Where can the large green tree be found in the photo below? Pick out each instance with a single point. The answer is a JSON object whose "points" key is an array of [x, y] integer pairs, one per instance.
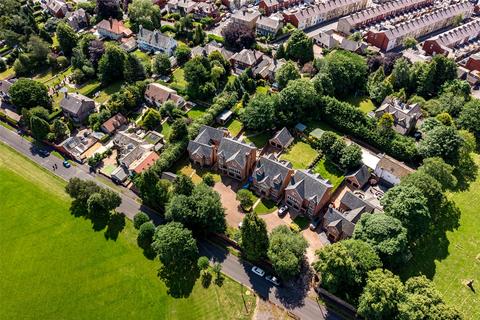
{"points": [[27, 93], [133, 69], [259, 114], [441, 141], [39, 127], [286, 251], [297, 99], [469, 117], [299, 47], [144, 13], [440, 171], [343, 267], [254, 237], [111, 65], [67, 38], [285, 73], [161, 65], [386, 235]]}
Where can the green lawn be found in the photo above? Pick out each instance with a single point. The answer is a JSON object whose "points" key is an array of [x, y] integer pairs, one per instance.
{"points": [[179, 79], [451, 261], [105, 93], [265, 206], [258, 139], [300, 155], [363, 103], [166, 130], [54, 266], [301, 222], [329, 171], [196, 112], [261, 89], [7, 73], [234, 126], [145, 58]]}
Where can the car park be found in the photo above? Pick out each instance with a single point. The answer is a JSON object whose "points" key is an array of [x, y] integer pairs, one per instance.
{"points": [[273, 280], [258, 271], [282, 211]]}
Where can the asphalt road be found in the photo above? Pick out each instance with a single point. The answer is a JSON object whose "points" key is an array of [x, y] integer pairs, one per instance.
{"points": [[291, 297]]}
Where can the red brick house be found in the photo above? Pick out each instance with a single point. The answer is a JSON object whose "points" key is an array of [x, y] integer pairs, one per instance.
{"points": [[271, 177], [236, 159]]}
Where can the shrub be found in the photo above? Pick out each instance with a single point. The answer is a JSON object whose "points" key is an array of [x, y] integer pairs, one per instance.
{"points": [[139, 219], [209, 180], [145, 235]]}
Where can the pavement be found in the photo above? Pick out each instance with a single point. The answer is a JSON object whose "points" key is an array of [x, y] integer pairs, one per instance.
{"points": [[292, 297]]}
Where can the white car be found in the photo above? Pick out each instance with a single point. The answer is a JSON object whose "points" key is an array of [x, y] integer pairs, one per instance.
{"points": [[258, 271], [273, 280]]}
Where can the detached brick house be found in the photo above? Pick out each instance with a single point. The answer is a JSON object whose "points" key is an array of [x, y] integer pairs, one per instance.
{"points": [[246, 58], [57, 8], [404, 115], [236, 159], [156, 94], [76, 106], [271, 176], [307, 193], [203, 150], [113, 29], [282, 139]]}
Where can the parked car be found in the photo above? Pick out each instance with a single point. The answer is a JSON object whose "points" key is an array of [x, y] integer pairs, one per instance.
{"points": [[282, 211], [43, 152], [66, 164], [258, 271], [314, 224], [273, 280]]}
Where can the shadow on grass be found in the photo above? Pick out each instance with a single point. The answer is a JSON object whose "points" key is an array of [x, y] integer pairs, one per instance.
{"points": [[466, 174], [179, 280], [149, 253], [115, 225]]}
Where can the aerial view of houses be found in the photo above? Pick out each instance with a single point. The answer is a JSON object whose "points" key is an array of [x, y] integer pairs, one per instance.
{"points": [[239, 159]]}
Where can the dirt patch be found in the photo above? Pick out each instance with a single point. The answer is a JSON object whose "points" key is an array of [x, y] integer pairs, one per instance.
{"points": [[266, 310]]}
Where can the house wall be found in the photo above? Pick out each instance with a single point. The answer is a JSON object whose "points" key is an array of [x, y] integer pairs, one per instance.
{"points": [[387, 176]]}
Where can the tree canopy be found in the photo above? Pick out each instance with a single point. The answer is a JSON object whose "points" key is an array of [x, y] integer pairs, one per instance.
{"points": [[27, 93], [299, 47], [254, 237], [144, 13]]}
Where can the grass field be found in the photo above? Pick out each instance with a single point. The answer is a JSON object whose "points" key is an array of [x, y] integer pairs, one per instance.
{"points": [[363, 103], [258, 139], [329, 171], [54, 266], [179, 79], [265, 206], [234, 126], [300, 155], [196, 112], [451, 261], [7, 73]]}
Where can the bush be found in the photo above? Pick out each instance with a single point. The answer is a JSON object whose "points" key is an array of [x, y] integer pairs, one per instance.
{"points": [[209, 180], [145, 235], [139, 219]]}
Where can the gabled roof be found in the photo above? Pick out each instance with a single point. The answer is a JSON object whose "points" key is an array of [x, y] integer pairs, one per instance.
{"points": [[114, 26], [395, 167], [76, 103], [272, 172], [309, 186], [114, 123], [155, 38], [5, 86], [211, 47], [161, 93], [361, 174], [284, 137], [203, 143], [352, 202], [334, 218], [451, 37], [248, 57], [234, 150]]}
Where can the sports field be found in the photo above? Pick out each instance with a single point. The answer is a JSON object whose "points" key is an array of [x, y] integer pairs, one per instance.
{"points": [[54, 266]]}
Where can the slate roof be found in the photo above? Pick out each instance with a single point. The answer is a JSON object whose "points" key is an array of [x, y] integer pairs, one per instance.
{"points": [[155, 38], [211, 47], [248, 57], [271, 172], [203, 143], [245, 16], [77, 19], [351, 201], [404, 115], [462, 34], [284, 137], [234, 150], [271, 23], [5, 86], [361, 174], [76, 103], [309, 186], [334, 218]]}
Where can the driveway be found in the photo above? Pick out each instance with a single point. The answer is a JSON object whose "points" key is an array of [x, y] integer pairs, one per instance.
{"points": [[227, 188]]}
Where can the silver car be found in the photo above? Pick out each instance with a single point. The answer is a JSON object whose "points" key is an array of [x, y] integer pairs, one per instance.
{"points": [[258, 271]]}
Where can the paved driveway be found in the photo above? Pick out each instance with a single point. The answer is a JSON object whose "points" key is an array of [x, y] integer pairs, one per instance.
{"points": [[227, 188]]}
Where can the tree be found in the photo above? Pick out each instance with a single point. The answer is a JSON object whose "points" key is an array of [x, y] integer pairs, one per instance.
{"points": [[238, 36], [182, 53], [3, 65], [27, 93], [133, 69], [145, 235], [410, 43], [440, 171], [139, 219], [337, 150], [347, 71], [254, 237], [39, 127], [401, 75], [326, 141], [351, 157], [108, 9], [151, 119], [378, 87], [111, 65], [423, 301], [407, 204], [469, 117], [297, 99], [430, 77], [285, 73], [199, 35], [286, 251], [442, 141], [197, 74], [259, 113], [175, 246], [67, 38], [245, 197], [101, 203], [144, 13], [161, 65], [299, 47], [81, 190], [203, 263], [38, 50], [183, 185], [343, 267], [208, 179], [430, 188], [381, 295], [179, 130], [386, 235], [60, 129]]}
